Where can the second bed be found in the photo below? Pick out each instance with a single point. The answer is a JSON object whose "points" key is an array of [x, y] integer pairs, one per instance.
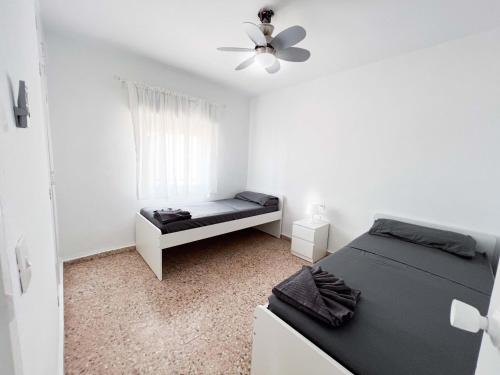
{"points": [[401, 324]]}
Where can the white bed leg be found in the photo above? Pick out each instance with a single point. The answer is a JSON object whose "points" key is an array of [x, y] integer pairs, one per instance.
{"points": [[273, 228], [278, 349], [147, 242]]}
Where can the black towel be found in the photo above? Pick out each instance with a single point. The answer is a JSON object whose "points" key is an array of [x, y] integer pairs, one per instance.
{"points": [[319, 294], [169, 215]]}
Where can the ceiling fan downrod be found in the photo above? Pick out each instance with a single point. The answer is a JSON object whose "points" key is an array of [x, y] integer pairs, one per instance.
{"points": [[265, 15]]}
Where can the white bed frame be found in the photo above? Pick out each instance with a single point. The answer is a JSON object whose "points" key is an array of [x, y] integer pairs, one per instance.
{"points": [[150, 242], [279, 349]]}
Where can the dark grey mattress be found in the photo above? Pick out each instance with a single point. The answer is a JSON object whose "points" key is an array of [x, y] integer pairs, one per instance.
{"points": [[401, 324], [208, 213]]}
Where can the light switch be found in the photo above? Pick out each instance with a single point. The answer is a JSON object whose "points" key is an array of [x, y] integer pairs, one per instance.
{"points": [[23, 264]]}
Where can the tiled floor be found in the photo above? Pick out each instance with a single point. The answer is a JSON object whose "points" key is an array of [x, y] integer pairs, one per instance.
{"points": [[120, 319]]}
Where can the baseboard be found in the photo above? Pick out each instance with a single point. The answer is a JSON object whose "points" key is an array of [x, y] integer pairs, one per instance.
{"points": [[286, 237], [96, 254], [60, 297], [103, 253]]}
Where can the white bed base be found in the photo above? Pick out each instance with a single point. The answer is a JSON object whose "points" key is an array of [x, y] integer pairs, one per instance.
{"points": [[150, 242], [278, 348]]}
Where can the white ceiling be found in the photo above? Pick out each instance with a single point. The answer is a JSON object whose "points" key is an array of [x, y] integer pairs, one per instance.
{"points": [[341, 34]]}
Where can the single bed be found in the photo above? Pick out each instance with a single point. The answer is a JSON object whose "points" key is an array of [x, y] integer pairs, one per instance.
{"points": [[209, 213], [208, 219], [401, 325]]}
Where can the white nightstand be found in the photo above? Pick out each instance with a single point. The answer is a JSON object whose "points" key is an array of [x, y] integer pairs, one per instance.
{"points": [[310, 239]]}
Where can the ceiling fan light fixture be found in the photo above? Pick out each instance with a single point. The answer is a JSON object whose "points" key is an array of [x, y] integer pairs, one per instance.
{"points": [[265, 59]]}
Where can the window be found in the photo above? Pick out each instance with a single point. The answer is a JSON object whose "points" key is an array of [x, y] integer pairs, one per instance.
{"points": [[176, 144]]}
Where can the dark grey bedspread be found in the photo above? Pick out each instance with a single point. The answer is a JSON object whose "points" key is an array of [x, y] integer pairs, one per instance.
{"points": [[208, 213], [401, 324]]}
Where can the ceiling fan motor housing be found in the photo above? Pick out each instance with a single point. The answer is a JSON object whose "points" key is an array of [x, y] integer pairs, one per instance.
{"points": [[263, 49]]}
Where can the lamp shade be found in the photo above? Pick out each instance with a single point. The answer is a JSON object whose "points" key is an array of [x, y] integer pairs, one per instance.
{"points": [[315, 210]]}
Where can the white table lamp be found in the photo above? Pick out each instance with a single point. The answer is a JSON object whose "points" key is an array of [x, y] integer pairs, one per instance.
{"points": [[316, 209]]}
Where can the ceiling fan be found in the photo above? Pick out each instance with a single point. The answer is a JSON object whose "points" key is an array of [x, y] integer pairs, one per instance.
{"points": [[270, 50]]}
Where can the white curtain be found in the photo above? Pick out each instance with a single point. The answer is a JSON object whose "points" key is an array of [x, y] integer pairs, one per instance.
{"points": [[176, 144]]}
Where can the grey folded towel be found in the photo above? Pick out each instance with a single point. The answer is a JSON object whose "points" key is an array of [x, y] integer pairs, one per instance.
{"points": [[169, 215], [319, 294]]}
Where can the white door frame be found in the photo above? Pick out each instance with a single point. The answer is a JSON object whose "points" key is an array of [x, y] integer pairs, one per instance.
{"points": [[48, 134], [42, 55]]}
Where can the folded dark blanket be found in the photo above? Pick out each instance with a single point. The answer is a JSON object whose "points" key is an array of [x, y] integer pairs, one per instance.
{"points": [[169, 215], [319, 294]]}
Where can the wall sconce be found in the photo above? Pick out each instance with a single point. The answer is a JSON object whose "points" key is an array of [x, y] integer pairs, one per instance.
{"points": [[21, 111], [468, 318]]}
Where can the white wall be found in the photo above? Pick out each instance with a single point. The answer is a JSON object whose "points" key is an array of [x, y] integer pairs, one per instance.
{"points": [[25, 207], [93, 139], [416, 136]]}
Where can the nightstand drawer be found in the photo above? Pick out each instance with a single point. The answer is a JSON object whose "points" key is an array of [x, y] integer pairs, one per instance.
{"points": [[303, 249], [302, 232]]}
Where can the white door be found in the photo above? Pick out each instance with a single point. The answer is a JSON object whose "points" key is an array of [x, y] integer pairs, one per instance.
{"points": [[489, 356], [8, 328], [29, 319]]}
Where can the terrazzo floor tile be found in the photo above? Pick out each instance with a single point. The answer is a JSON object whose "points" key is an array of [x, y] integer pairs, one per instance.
{"points": [[120, 319]]}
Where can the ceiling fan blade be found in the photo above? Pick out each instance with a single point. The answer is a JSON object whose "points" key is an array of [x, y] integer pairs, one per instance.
{"points": [[274, 68], [293, 54], [246, 63], [235, 49], [253, 31], [288, 37]]}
